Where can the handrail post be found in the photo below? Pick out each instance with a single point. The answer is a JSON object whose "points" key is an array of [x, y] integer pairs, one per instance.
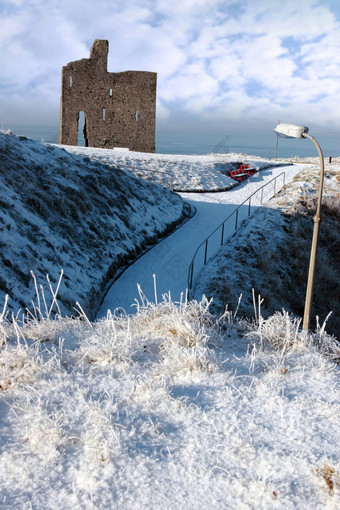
{"points": [[236, 219], [249, 206], [206, 250], [222, 234], [191, 274]]}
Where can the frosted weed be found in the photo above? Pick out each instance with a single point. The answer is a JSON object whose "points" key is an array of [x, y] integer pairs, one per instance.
{"points": [[42, 431], [331, 477]]}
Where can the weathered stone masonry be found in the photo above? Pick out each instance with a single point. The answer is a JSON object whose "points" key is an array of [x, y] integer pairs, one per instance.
{"points": [[119, 108]]}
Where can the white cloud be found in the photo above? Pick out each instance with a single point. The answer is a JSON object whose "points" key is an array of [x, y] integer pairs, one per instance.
{"points": [[213, 57]]}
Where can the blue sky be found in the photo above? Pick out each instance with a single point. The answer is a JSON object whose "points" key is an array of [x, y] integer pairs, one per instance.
{"points": [[221, 64]]}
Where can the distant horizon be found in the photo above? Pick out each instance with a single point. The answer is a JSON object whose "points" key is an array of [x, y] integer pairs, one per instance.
{"points": [[201, 143]]}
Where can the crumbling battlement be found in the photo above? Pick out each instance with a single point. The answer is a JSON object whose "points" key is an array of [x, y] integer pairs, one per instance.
{"points": [[119, 108]]}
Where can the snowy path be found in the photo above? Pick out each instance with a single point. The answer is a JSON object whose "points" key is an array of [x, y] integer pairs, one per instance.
{"points": [[170, 259]]}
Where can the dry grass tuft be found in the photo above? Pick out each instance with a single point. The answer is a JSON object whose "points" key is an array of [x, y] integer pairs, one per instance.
{"points": [[330, 476], [18, 366]]}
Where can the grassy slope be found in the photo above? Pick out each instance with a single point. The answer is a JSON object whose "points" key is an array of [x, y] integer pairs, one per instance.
{"points": [[59, 210], [179, 172], [271, 255]]}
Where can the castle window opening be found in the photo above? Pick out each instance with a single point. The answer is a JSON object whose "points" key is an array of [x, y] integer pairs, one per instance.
{"points": [[82, 135], [104, 113], [137, 115], [110, 92], [71, 81]]}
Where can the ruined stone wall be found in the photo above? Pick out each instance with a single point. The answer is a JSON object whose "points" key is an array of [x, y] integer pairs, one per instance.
{"points": [[119, 108]]}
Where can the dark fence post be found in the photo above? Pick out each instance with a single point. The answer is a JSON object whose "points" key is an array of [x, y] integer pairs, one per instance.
{"points": [[205, 253], [191, 274]]}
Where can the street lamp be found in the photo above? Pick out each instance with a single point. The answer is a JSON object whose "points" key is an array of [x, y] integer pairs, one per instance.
{"points": [[293, 131]]}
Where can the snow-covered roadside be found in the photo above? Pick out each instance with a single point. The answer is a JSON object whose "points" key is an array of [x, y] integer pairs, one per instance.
{"points": [[170, 259]]}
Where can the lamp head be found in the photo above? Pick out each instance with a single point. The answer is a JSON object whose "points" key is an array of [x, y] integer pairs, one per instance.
{"points": [[290, 130]]}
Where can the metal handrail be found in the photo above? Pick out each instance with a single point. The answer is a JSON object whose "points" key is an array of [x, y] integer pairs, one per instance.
{"points": [[221, 226]]}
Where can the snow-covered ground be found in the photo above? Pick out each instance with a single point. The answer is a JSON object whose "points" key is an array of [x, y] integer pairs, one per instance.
{"points": [[170, 407], [178, 172], [271, 252], [87, 212], [62, 211], [170, 259]]}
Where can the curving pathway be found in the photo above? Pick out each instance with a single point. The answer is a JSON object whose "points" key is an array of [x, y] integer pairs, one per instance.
{"points": [[169, 260]]}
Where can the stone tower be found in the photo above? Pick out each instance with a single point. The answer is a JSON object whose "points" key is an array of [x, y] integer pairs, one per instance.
{"points": [[119, 108]]}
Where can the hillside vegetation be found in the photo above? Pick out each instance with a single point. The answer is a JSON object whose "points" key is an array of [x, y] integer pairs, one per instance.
{"points": [[271, 255], [59, 210]]}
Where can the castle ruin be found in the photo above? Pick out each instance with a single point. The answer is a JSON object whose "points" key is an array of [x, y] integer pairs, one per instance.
{"points": [[117, 109]]}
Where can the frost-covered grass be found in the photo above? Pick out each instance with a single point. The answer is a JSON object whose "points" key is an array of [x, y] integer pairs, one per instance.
{"points": [[59, 210], [169, 408]]}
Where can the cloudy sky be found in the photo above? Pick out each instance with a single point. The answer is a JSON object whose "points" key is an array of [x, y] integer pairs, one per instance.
{"points": [[221, 64]]}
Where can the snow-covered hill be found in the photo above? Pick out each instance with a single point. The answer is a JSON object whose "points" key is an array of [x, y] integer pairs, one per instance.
{"points": [[178, 172], [271, 253], [59, 210], [173, 407]]}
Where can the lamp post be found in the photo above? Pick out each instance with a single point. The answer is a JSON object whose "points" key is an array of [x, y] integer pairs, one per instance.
{"points": [[293, 131]]}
